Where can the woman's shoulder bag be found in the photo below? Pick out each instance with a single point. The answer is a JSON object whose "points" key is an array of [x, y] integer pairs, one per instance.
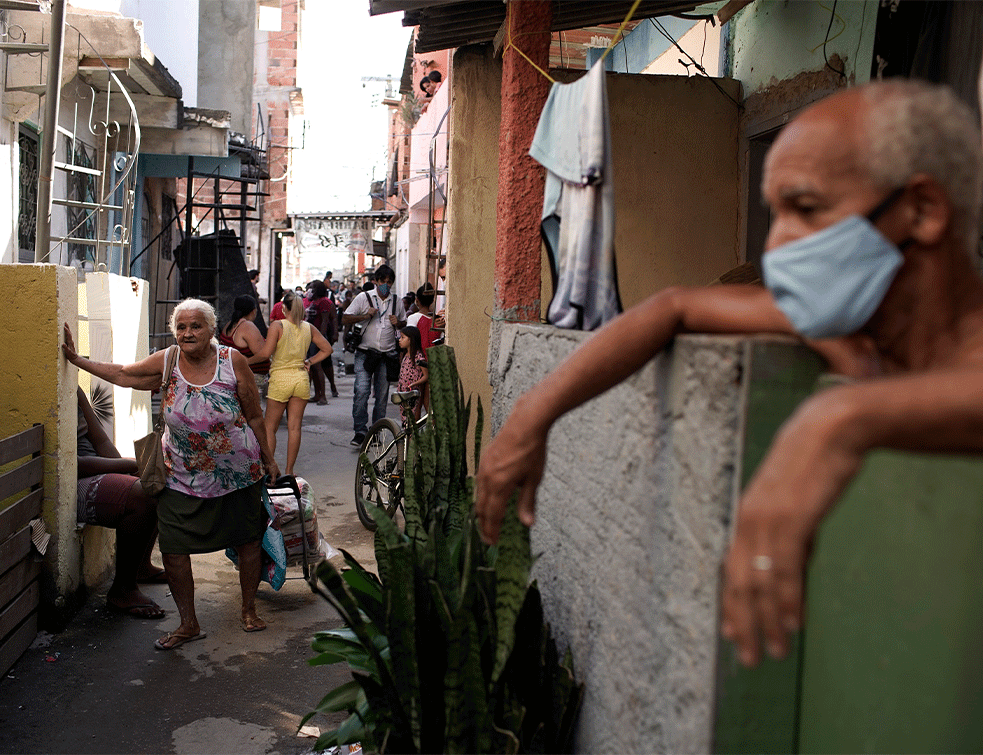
{"points": [[148, 449]]}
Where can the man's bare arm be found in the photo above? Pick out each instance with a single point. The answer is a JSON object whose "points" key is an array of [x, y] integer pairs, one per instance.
{"points": [[515, 458], [814, 457]]}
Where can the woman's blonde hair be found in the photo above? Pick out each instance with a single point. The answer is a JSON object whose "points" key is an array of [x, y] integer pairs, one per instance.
{"points": [[293, 307], [194, 305]]}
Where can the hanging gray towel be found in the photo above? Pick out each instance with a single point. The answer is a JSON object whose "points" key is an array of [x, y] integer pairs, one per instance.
{"points": [[573, 143]]}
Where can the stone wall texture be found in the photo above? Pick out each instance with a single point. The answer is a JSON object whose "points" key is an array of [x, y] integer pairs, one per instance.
{"points": [[631, 526]]}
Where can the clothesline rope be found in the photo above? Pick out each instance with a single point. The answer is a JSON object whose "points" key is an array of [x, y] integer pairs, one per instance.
{"points": [[614, 40]]}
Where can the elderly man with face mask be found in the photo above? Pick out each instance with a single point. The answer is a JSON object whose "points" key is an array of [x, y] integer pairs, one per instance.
{"points": [[875, 196]]}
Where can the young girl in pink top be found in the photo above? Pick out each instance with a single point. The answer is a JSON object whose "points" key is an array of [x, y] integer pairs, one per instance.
{"points": [[413, 372]]}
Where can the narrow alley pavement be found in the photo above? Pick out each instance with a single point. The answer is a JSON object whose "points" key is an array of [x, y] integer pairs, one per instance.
{"points": [[101, 687]]}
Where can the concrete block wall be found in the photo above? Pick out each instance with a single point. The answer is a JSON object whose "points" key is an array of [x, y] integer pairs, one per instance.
{"points": [[631, 527]]}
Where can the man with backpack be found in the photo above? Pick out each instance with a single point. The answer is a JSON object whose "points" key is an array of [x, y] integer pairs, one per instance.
{"points": [[376, 355]]}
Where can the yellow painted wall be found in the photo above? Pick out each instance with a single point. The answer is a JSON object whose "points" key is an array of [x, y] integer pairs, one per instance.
{"points": [[38, 385], [473, 192]]}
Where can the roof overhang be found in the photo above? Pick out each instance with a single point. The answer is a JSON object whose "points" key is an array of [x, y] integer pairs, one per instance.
{"points": [[101, 49], [445, 24], [379, 216], [97, 46]]}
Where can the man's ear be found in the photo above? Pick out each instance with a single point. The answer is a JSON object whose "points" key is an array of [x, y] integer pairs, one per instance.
{"points": [[930, 210]]}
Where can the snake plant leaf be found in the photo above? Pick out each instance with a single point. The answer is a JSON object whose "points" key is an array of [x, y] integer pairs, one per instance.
{"points": [[427, 449], [512, 577], [401, 630], [369, 595], [337, 594], [505, 741], [485, 580], [442, 480], [353, 564], [568, 696], [381, 555], [357, 657], [443, 608], [413, 505], [387, 729], [388, 532], [468, 727], [327, 740], [479, 428], [344, 697], [326, 659], [444, 569], [510, 713], [351, 730]]}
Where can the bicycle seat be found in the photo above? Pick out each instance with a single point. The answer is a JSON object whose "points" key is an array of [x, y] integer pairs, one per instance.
{"points": [[405, 397]]}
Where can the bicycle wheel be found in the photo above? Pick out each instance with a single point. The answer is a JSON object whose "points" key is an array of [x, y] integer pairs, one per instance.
{"points": [[381, 448]]}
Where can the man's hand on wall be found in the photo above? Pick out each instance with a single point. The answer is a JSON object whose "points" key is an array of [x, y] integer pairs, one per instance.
{"points": [[796, 485], [515, 459]]}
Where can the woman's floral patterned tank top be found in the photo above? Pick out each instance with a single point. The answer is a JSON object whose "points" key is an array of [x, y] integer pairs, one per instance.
{"points": [[209, 450]]}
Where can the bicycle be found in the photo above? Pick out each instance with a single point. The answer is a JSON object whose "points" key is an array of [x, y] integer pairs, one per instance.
{"points": [[382, 455]]}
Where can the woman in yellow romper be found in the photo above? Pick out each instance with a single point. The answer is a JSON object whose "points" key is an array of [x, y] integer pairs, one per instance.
{"points": [[288, 341]]}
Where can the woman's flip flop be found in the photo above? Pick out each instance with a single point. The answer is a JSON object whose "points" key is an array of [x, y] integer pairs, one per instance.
{"points": [[177, 640]]}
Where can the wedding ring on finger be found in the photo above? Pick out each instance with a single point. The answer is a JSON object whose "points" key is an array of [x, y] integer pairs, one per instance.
{"points": [[761, 563]]}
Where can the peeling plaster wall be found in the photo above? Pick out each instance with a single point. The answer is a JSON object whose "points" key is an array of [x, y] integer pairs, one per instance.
{"points": [[226, 41], [773, 40], [38, 386], [631, 526], [9, 192]]}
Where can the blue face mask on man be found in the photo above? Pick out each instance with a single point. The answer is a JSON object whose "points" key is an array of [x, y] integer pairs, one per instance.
{"points": [[831, 282], [382, 288]]}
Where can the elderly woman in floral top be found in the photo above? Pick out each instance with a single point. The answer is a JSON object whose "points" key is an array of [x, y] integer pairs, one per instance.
{"points": [[215, 447]]}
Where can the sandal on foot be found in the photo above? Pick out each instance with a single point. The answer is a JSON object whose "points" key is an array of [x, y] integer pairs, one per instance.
{"points": [[253, 624], [174, 640]]}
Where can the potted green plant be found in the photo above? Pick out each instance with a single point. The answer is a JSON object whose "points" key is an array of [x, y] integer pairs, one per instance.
{"points": [[447, 646]]}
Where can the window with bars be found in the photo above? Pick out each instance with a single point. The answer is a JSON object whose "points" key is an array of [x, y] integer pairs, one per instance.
{"points": [[81, 187], [27, 218], [168, 211]]}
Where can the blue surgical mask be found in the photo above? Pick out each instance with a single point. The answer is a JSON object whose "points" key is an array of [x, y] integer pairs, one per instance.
{"points": [[382, 288], [831, 282]]}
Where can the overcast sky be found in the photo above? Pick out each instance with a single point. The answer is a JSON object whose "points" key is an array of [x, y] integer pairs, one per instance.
{"points": [[347, 124]]}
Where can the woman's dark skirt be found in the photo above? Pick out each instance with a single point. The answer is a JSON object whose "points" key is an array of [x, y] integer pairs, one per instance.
{"points": [[205, 525]]}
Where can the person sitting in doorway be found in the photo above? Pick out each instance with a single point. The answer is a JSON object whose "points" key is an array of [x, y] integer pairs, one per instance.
{"points": [[110, 495]]}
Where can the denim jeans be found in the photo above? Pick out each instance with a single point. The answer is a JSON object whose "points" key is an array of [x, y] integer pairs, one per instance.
{"points": [[364, 382]]}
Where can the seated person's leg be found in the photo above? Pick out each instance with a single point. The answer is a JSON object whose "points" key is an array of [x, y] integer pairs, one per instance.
{"points": [[118, 502]]}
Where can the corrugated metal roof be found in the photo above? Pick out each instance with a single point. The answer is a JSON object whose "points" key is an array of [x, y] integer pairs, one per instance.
{"points": [[445, 24]]}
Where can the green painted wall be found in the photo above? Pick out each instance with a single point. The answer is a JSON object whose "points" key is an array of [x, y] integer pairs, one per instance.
{"points": [[891, 656]]}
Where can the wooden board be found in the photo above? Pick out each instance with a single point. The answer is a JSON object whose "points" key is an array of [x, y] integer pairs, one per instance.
{"points": [[14, 549], [20, 640], [17, 516], [15, 581], [22, 444], [21, 478], [20, 609]]}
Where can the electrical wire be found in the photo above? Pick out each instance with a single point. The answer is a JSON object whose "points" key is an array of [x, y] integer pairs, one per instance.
{"points": [[832, 15], [700, 68]]}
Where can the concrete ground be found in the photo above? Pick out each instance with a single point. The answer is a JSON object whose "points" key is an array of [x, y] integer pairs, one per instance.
{"points": [[101, 687]]}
